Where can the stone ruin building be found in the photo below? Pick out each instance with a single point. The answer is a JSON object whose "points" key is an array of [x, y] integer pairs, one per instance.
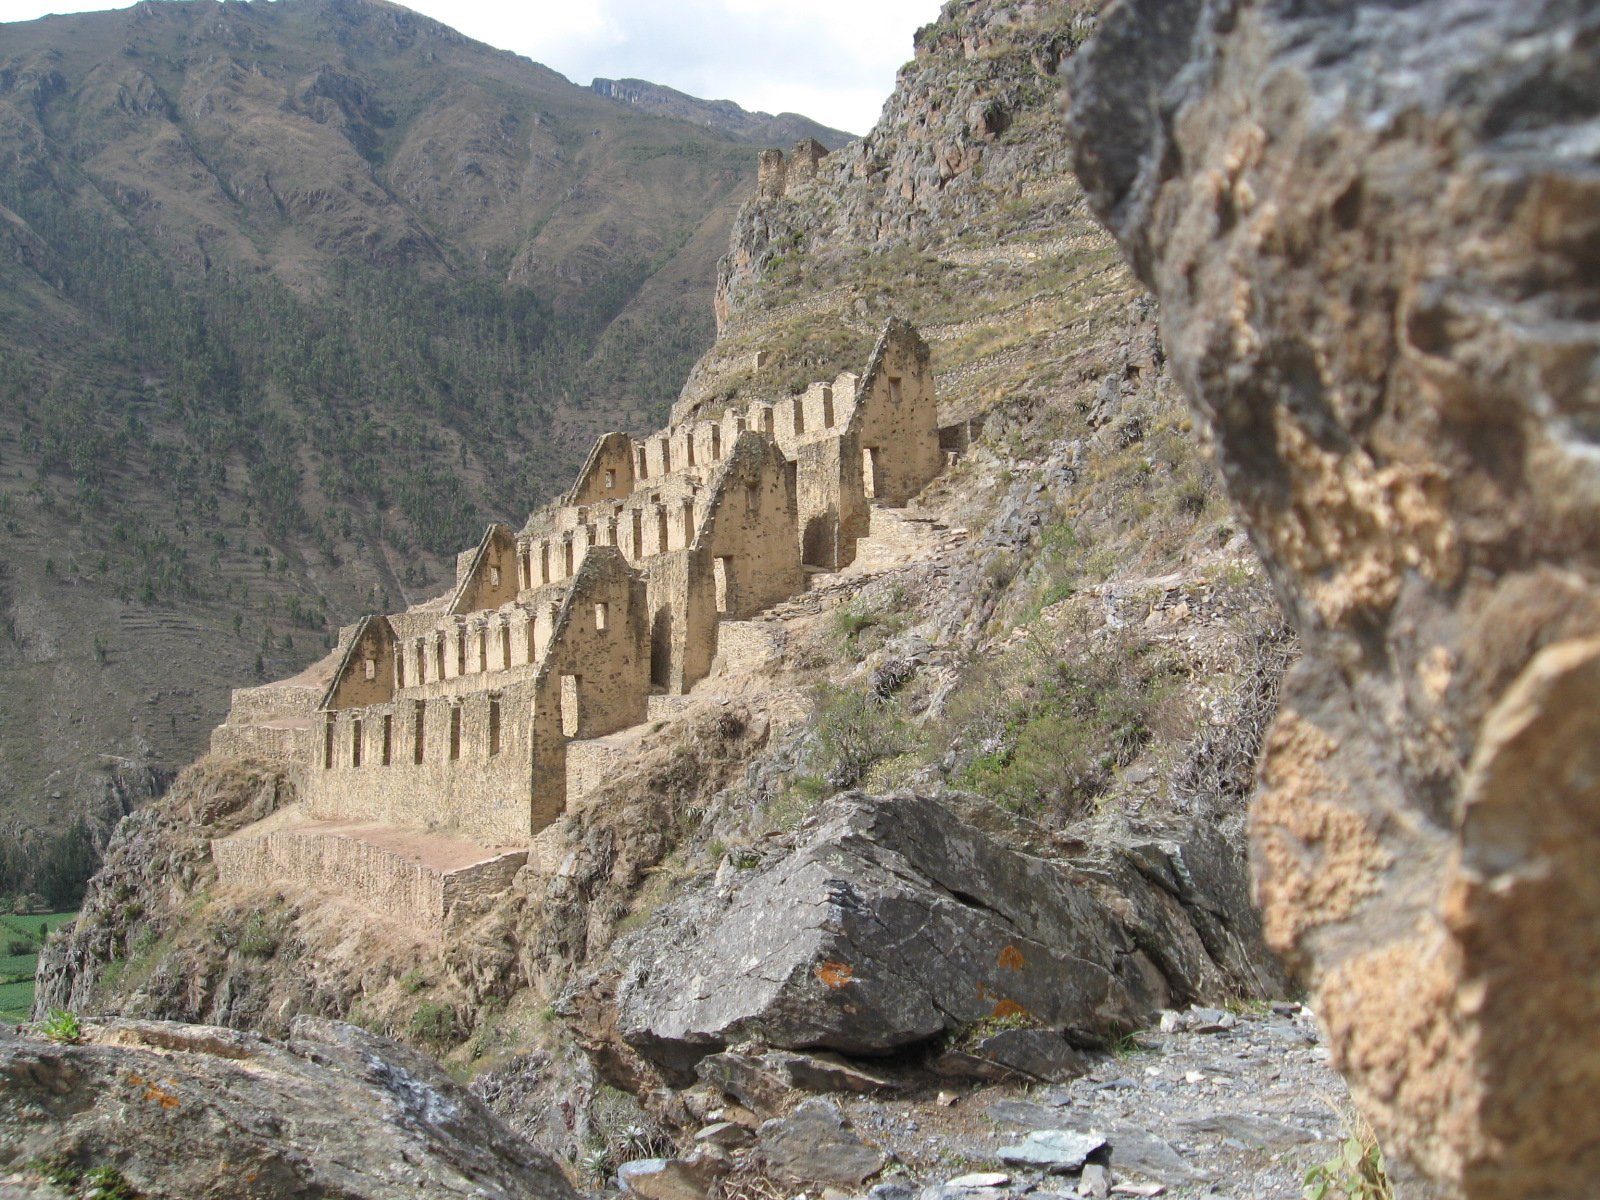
{"points": [[467, 723], [777, 174]]}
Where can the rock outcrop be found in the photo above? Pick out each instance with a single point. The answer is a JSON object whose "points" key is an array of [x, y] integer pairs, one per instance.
{"points": [[157, 859], [900, 925], [193, 1112], [1374, 230], [936, 156]]}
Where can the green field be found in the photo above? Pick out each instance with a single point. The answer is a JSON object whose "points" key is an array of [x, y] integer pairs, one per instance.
{"points": [[16, 970]]}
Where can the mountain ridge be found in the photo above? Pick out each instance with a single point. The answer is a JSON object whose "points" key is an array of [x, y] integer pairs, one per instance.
{"points": [[757, 128]]}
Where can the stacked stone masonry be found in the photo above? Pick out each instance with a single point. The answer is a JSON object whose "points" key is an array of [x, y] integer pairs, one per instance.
{"points": [[454, 717]]}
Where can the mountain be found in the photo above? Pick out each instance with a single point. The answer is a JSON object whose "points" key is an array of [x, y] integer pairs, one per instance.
{"points": [[757, 128], [294, 297]]}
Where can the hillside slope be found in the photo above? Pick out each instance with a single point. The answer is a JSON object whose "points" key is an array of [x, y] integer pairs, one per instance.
{"points": [[293, 298]]}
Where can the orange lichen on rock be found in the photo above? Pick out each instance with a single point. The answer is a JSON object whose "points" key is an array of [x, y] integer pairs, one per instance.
{"points": [[836, 975]]}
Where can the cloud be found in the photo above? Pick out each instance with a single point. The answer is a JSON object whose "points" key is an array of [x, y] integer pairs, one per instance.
{"points": [[833, 60]]}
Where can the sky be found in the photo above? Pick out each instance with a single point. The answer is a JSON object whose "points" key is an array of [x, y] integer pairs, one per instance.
{"points": [[833, 60]]}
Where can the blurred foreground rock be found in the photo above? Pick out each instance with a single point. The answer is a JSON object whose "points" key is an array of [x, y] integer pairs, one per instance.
{"points": [[1374, 230]]}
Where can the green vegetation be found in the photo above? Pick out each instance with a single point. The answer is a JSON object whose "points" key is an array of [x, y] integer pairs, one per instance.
{"points": [[413, 982], [1043, 733], [256, 372], [968, 1037], [435, 1024], [1129, 1046], [1356, 1172], [853, 729], [620, 1131], [862, 628], [23, 938], [258, 939], [49, 867], [92, 1183], [62, 1026], [255, 936]]}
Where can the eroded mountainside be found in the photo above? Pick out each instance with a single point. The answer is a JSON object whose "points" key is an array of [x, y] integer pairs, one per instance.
{"points": [[293, 298], [992, 774]]}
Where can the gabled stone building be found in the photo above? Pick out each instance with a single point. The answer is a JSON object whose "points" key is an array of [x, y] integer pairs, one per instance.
{"points": [[455, 716]]}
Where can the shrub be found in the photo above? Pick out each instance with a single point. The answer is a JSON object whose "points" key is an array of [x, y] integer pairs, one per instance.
{"points": [[621, 1131], [861, 627], [435, 1024], [97, 1183], [257, 939], [108, 1183], [1045, 734], [413, 982], [854, 729]]}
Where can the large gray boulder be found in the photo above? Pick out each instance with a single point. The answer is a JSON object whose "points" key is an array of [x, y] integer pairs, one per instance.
{"points": [[193, 1112], [1374, 230], [888, 924]]}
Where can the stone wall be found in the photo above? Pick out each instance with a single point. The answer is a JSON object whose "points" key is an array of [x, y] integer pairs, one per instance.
{"points": [[746, 646], [600, 645], [482, 753], [831, 501], [589, 764], [896, 418], [746, 542], [491, 579], [275, 700], [366, 671], [451, 764], [608, 473], [778, 174], [383, 878], [285, 742]]}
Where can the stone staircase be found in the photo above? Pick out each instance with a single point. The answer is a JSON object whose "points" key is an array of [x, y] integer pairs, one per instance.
{"points": [[895, 536]]}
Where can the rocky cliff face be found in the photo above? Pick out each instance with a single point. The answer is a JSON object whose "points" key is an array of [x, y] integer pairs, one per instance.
{"points": [[939, 156], [1372, 229]]}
